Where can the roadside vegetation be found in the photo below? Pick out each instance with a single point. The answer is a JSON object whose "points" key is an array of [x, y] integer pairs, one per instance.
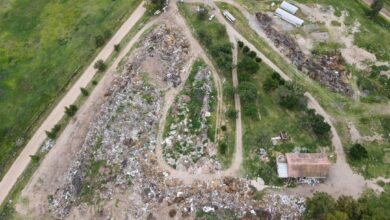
{"points": [[42, 52], [366, 112], [322, 206], [270, 106], [214, 40]]}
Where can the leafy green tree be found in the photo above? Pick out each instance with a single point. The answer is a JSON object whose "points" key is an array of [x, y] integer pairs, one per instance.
{"points": [[52, 134], [358, 152], [315, 122], [71, 110], [231, 113], [222, 148], [318, 206], [337, 215], [240, 44], [245, 49], [117, 47], [248, 92], [100, 65], [84, 91], [376, 7], [291, 96], [247, 67]]}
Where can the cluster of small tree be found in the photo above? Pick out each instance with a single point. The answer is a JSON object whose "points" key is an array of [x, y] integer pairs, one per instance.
{"points": [[249, 95], [52, 134], [71, 110], [100, 65], [324, 207], [272, 82], [291, 96], [246, 68], [231, 113], [357, 152], [153, 5], [315, 122]]}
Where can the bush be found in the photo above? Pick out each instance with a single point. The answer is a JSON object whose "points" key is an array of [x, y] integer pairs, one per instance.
{"points": [[52, 134], [248, 92], [240, 44], [223, 128], [117, 47], [100, 65], [291, 97], [231, 113], [222, 148], [358, 152], [84, 92], [71, 110], [245, 49], [246, 68], [316, 122], [258, 59], [319, 206], [35, 158], [94, 82], [252, 54]]}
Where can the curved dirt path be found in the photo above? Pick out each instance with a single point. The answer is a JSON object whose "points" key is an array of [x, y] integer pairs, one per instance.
{"points": [[174, 16], [342, 179], [55, 116]]}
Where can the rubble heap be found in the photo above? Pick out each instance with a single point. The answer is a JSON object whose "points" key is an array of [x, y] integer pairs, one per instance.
{"points": [[118, 159], [187, 145], [327, 69]]}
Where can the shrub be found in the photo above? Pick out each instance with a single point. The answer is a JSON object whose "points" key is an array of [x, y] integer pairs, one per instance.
{"points": [[71, 110], [258, 59], [252, 54], [245, 49], [246, 68], [100, 65], [248, 92], [240, 44], [84, 92], [222, 148], [94, 82], [316, 122], [35, 158], [223, 128], [117, 47], [291, 97], [319, 206], [231, 113], [358, 152], [52, 134]]}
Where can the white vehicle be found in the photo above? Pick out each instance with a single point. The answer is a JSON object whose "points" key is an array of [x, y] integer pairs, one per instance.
{"points": [[211, 17], [229, 16]]}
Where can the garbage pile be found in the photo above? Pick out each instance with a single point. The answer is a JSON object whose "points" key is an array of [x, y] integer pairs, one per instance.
{"points": [[327, 69], [118, 159], [187, 145]]}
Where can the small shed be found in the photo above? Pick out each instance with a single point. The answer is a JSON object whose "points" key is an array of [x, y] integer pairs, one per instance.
{"points": [[308, 165], [289, 7], [229, 16], [292, 19]]}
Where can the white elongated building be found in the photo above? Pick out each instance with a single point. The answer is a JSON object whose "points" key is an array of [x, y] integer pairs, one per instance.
{"points": [[229, 16], [289, 7], [292, 19]]}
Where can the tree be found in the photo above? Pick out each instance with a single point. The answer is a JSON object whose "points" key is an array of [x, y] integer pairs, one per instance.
{"points": [[231, 113], [52, 134], [291, 96], [222, 148], [71, 110], [84, 91], [316, 122], [155, 5], [245, 49], [248, 92], [318, 206], [376, 7], [117, 47], [246, 68], [358, 152], [240, 44], [100, 65]]}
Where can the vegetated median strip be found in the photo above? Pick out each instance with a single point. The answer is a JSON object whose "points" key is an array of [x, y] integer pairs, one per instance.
{"points": [[23, 161]]}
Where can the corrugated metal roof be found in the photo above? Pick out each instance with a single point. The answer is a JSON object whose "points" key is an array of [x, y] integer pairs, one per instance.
{"points": [[282, 170], [289, 7], [316, 165], [292, 19]]}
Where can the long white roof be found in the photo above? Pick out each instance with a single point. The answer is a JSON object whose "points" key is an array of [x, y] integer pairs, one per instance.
{"points": [[292, 19], [289, 7]]}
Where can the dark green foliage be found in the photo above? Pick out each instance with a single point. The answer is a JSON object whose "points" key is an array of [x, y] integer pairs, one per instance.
{"points": [[94, 82], [376, 7], [258, 59], [84, 91], [35, 158], [222, 148], [315, 122], [248, 92], [291, 96], [117, 47], [272, 82], [370, 206], [71, 110], [223, 127], [240, 44], [319, 206], [231, 113], [246, 68], [245, 49], [154, 5], [228, 90], [52, 134], [100, 65], [358, 152], [252, 54]]}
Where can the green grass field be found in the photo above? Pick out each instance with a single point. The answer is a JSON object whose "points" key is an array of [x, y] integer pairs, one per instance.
{"points": [[44, 45]]}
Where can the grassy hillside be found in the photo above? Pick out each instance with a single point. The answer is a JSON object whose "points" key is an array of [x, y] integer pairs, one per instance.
{"points": [[43, 46]]}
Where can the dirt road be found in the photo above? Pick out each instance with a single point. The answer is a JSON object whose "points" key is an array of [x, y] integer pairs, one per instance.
{"points": [[39, 136]]}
